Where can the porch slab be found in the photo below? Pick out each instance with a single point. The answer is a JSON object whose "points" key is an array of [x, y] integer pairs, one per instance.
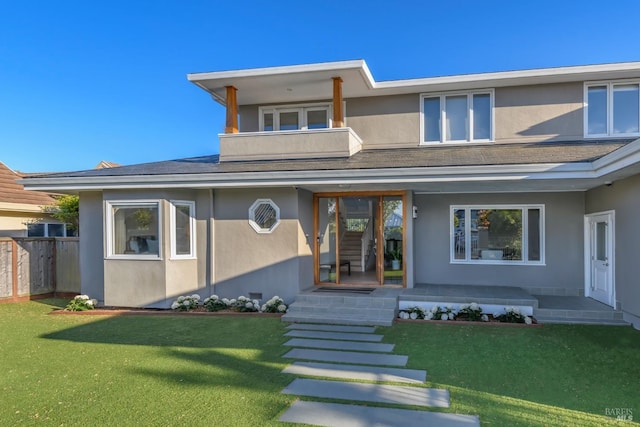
{"points": [[499, 295], [570, 303], [356, 372], [332, 328], [339, 415], [366, 392], [349, 357], [340, 345], [345, 336]]}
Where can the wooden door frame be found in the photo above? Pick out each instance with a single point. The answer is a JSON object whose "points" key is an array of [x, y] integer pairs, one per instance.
{"points": [[379, 232]]}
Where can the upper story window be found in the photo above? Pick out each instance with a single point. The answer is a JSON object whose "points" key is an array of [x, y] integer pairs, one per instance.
{"points": [[612, 109], [457, 117], [295, 117]]}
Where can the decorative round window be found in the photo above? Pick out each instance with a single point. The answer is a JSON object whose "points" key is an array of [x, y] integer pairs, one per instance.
{"points": [[264, 215]]}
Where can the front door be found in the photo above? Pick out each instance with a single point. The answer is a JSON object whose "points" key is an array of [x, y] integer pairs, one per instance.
{"points": [[600, 279], [359, 238]]}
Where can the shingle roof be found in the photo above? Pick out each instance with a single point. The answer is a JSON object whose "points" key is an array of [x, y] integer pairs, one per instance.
{"points": [[443, 156], [12, 192]]}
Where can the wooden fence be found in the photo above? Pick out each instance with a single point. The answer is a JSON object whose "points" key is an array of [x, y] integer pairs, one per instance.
{"points": [[38, 267]]}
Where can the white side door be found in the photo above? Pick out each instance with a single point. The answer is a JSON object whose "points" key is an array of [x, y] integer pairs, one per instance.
{"points": [[600, 284]]}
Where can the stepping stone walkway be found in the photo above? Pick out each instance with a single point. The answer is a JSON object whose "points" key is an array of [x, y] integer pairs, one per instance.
{"points": [[334, 343]]}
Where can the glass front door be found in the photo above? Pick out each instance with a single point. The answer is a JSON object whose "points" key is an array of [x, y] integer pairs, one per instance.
{"points": [[359, 239]]}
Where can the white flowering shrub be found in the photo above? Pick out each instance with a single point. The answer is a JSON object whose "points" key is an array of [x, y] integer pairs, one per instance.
{"points": [[513, 315], [245, 304], [412, 313], [214, 303], [441, 313], [186, 303], [274, 305], [471, 312], [81, 303]]}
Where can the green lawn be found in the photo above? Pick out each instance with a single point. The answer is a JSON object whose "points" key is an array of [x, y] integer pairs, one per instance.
{"points": [[225, 371]]}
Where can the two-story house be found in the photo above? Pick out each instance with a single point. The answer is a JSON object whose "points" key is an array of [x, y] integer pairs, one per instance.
{"points": [[327, 177]]}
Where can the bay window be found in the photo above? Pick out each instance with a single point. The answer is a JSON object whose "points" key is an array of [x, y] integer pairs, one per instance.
{"points": [[133, 229]]}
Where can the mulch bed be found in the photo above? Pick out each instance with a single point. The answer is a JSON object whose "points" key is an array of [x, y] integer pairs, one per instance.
{"points": [[491, 322], [116, 311]]}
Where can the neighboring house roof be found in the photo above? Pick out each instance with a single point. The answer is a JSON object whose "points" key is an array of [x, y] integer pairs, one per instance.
{"points": [[106, 165], [13, 194], [579, 160]]}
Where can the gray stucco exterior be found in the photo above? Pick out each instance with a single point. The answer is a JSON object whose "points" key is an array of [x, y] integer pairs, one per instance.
{"points": [[562, 274], [623, 197]]}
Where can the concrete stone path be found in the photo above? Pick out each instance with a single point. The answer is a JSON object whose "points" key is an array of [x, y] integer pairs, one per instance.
{"points": [[347, 357], [336, 414], [334, 335], [366, 392], [316, 340], [340, 345], [332, 328], [356, 372]]}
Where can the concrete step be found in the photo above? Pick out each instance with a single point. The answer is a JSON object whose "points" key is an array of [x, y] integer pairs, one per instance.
{"points": [[332, 328], [357, 300], [365, 392], [341, 415], [340, 336], [356, 372], [336, 319], [570, 314], [348, 357], [580, 321], [340, 310], [340, 345]]}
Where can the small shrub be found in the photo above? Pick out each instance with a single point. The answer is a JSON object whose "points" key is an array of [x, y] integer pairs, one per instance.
{"points": [[186, 303], [81, 303], [513, 315], [412, 313], [471, 312], [245, 304], [274, 305], [441, 313], [213, 303]]}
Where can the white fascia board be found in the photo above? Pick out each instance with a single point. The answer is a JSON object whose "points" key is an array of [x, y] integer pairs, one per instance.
{"points": [[287, 69], [319, 177], [618, 159]]}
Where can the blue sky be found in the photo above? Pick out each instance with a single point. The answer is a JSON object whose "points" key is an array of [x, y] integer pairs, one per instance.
{"points": [[84, 81]]}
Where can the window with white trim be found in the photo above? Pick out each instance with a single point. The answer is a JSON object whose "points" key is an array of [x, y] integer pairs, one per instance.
{"points": [[264, 216], [295, 117], [47, 229], [497, 234], [612, 109], [133, 229], [182, 226], [457, 117]]}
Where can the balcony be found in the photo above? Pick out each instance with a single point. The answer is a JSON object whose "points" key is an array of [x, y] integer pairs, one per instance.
{"points": [[296, 144]]}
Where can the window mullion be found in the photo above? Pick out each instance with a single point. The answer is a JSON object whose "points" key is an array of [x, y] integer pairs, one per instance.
{"points": [[609, 109], [443, 118], [525, 235], [470, 117], [467, 234]]}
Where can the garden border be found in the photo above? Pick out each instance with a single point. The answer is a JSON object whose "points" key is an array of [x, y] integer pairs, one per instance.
{"points": [[535, 323], [160, 312]]}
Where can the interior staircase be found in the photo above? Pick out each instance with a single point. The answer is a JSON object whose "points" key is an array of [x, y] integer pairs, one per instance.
{"points": [[351, 249]]}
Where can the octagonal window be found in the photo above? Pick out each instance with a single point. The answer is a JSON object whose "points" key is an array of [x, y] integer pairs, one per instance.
{"points": [[264, 215]]}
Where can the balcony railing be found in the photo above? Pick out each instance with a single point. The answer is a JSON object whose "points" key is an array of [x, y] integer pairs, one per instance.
{"points": [[297, 144]]}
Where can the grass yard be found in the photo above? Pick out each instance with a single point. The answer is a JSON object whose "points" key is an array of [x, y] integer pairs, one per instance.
{"points": [[555, 375], [225, 371]]}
